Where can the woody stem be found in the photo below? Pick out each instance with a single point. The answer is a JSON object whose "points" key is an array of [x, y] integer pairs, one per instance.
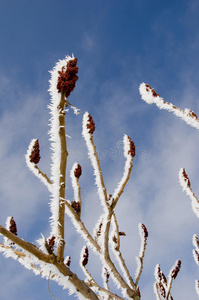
{"points": [[62, 178]]}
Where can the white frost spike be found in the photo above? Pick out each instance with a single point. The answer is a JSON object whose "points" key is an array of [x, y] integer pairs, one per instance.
{"points": [[197, 287], [7, 226], [74, 182], [148, 95], [55, 142], [126, 142], [33, 167], [184, 181]]}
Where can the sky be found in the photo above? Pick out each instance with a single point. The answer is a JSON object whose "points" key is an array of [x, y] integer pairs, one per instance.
{"points": [[119, 44]]}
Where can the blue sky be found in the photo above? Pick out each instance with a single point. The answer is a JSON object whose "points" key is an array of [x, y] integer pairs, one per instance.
{"points": [[119, 44]]}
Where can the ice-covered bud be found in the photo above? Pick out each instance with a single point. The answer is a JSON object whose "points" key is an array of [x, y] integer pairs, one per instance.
{"points": [[196, 241], [122, 233], [176, 269], [13, 226], [190, 113], [107, 274], [148, 89], [129, 146], [67, 77], [138, 292], [197, 287], [68, 261], [76, 206], [51, 241], [114, 239], [90, 124], [50, 244], [132, 147], [162, 290], [35, 153], [144, 231], [186, 178], [85, 257], [78, 171]]}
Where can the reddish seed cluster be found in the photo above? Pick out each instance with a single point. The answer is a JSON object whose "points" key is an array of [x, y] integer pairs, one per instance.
{"points": [[68, 262], [78, 171], [186, 178], [145, 231], [76, 206], [85, 257], [67, 78], [148, 88], [13, 226], [90, 124], [175, 271], [132, 147], [35, 154]]}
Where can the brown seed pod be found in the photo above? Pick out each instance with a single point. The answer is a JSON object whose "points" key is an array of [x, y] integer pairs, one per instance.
{"points": [[13, 226], [122, 233], [90, 124], [144, 231], [176, 269], [186, 178], [68, 262], [35, 154], [78, 171], [148, 88], [67, 78], [132, 147], [85, 257], [76, 206]]}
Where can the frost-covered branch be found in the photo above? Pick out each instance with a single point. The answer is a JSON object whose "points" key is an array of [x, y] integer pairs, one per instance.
{"points": [[149, 95], [162, 286], [32, 159], [75, 175], [88, 128], [186, 186], [143, 236], [129, 153], [115, 242]]}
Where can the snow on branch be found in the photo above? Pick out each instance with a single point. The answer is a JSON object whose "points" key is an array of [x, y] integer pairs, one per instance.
{"points": [[149, 95], [186, 186]]}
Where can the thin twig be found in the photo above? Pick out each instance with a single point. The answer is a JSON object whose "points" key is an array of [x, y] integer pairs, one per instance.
{"points": [[49, 287], [43, 174]]}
